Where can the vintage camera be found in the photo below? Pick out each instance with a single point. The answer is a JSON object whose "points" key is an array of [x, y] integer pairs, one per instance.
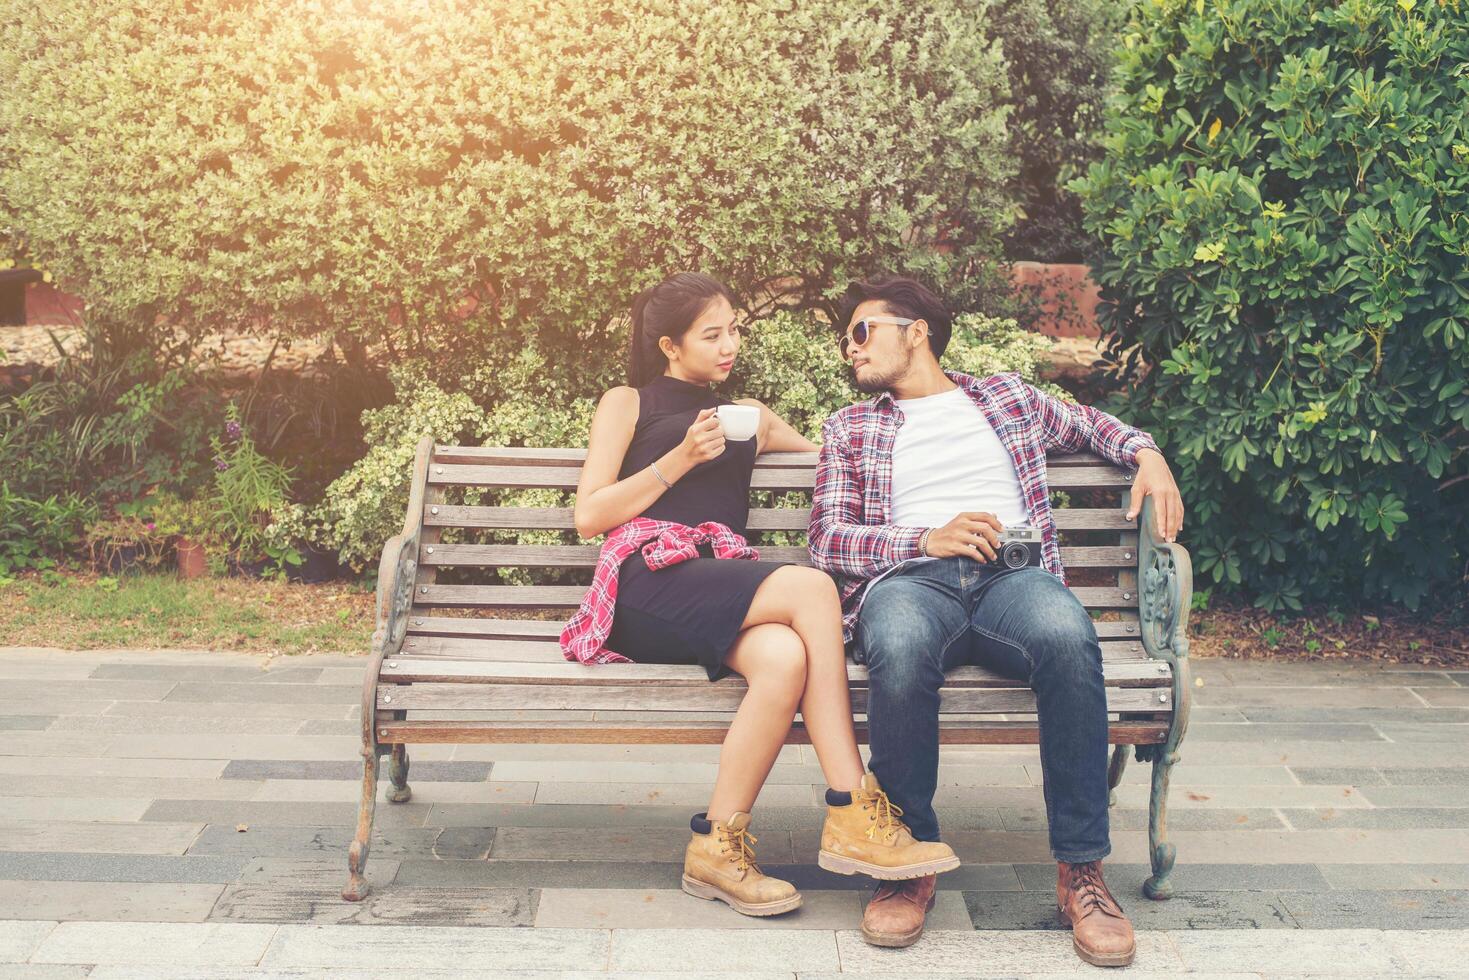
{"points": [[1019, 546]]}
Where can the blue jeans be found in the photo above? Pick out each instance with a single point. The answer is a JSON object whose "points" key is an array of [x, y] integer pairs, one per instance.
{"points": [[933, 616]]}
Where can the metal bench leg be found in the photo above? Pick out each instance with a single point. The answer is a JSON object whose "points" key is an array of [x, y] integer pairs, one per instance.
{"points": [[1162, 853], [357, 886], [398, 773], [1115, 770]]}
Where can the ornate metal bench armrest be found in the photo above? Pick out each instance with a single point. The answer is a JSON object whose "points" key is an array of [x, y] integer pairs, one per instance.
{"points": [[396, 573], [1165, 576]]}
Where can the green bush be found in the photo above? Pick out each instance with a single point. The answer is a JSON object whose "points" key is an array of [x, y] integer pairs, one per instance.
{"points": [[441, 178], [1284, 211], [789, 361], [1058, 54]]}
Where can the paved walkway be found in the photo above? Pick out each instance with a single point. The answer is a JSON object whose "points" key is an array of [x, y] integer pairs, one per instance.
{"points": [[187, 814]]}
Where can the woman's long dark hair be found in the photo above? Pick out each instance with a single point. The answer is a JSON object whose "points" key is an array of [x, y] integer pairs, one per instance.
{"points": [[667, 310]]}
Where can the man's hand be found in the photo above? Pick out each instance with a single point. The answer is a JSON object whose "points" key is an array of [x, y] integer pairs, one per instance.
{"points": [[971, 534], [1156, 480]]}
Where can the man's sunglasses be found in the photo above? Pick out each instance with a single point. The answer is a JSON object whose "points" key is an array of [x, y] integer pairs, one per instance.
{"points": [[858, 332]]}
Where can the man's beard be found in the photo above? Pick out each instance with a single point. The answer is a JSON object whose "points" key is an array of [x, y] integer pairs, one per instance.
{"points": [[876, 384]]}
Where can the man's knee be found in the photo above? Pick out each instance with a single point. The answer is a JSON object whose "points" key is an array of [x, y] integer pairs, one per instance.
{"points": [[902, 641], [1060, 636]]}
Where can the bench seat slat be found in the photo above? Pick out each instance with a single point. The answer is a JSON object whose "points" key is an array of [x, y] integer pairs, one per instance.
{"points": [[645, 696], [410, 671], [423, 622], [761, 519], [534, 456], [570, 596], [585, 556], [545, 650], [712, 732], [520, 476]]}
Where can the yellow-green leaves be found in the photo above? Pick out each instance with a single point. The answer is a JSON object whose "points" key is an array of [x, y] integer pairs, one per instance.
{"points": [[1214, 129], [1209, 252]]}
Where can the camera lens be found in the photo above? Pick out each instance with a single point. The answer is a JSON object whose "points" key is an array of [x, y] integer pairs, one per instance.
{"points": [[1015, 555]]}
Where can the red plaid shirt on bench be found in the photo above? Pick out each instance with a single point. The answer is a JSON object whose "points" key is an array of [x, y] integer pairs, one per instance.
{"points": [[663, 543], [849, 532]]}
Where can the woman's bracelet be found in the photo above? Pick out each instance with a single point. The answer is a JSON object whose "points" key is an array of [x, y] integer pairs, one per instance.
{"points": [[923, 542], [660, 476]]}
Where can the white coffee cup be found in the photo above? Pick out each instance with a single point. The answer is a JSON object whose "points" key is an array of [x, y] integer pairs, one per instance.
{"points": [[740, 422]]}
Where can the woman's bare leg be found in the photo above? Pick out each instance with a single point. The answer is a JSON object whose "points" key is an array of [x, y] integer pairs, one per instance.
{"points": [[806, 601], [772, 660]]}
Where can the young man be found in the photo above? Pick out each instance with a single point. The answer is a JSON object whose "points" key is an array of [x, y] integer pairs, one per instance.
{"points": [[913, 489]]}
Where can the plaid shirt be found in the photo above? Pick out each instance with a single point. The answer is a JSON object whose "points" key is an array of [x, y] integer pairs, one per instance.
{"points": [[663, 543], [850, 534]]}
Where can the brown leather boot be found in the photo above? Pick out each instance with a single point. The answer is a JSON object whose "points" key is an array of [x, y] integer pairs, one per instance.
{"points": [[1099, 929], [719, 864], [896, 913], [865, 836]]}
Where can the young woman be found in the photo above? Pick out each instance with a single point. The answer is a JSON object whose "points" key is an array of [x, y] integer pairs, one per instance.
{"points": [[672, 494]]}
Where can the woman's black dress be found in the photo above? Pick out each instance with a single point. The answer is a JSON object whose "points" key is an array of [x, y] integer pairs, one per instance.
{"points": [[689, 613]]}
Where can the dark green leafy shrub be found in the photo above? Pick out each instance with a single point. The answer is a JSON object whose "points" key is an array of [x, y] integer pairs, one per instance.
{"points": [[1284, 213], [1058, 54]]}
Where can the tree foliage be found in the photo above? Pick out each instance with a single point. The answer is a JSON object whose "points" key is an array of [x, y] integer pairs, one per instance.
{"points": [[1284, 206]]}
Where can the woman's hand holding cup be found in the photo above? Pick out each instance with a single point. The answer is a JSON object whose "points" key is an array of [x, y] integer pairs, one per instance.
{"points": [[704, 440]]}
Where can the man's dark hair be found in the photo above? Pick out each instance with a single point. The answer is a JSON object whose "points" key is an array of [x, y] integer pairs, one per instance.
{"points": [[902, 297]]}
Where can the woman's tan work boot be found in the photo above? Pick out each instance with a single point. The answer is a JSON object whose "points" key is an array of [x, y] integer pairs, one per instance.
{"points": [[719, 863], [863, 835]]}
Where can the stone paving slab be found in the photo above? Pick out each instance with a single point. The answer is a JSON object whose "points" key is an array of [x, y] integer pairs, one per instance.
{"points": [[108, 901], [209, 673], [1385, 818], [60, 866], [1395, 876], [175, 725], [1136, 818], [321, 903], [116, 838], [694, 795], [1432, 952], [344, 791], [25, 723], [1378, 909], [672, 908], [432, 771], [210, 709], [638, 845], [1127, 879], [1334, 952], [227, 693], [128, 787], [988, 954], [71, 809], [733, 950], [88, 690], [18, 940], [155, 944], [442, 843], [1185, 910], [256, 813], [428, 947]]}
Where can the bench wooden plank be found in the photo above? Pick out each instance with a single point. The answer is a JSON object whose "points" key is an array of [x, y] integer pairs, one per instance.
{"points": [[536, 456], [717, 696], [523, 477], [1144, 732], [546, 650], [585, 556], [761, 519], [424, 622], [570, 596], [410, 670]]}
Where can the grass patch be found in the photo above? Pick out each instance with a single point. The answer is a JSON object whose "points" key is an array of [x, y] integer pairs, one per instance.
{"points": [[85, 612]]}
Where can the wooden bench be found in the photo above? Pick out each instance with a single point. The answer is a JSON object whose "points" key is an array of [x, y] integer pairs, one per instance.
{"points": [[454, 658]]}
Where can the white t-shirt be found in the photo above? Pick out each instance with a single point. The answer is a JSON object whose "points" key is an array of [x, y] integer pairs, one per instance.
{"points": [[947, 459]]}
